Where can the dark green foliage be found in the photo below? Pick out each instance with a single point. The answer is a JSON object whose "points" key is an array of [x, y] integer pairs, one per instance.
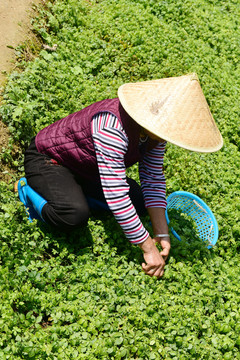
{"points": [[82, 295], [191, 245]]}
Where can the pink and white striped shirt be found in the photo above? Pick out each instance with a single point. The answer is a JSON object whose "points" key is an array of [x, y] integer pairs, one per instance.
{"points": [[111, 144]]}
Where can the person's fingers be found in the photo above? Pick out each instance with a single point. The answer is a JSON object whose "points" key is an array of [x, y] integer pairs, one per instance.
{"points": [[164, 253], [147, 267], [153, 270], [159, 273], [149, 270]]}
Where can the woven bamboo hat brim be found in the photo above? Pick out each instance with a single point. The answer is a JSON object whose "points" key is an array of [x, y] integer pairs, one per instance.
{"points": [[174, 109]]}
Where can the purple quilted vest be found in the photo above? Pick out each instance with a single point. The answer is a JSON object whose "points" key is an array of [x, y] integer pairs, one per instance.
{"points": [[69, 140]]}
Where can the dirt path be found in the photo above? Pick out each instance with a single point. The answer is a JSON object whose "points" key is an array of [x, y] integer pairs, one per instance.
{"points": [[15, 24], [15, 18]]}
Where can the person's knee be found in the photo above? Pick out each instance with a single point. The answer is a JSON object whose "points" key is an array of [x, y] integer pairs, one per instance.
{"points": [[77, 215], [67, 217]]}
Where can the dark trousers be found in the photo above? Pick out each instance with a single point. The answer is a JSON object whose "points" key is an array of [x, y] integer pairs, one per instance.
{"points": [[65, 192]]}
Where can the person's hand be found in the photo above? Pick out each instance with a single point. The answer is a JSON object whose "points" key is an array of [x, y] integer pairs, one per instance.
{"points": [[166, 246], [155, 263]]}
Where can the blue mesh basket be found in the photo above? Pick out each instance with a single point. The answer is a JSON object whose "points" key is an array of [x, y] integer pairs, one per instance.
{"points": [[193, 206]]}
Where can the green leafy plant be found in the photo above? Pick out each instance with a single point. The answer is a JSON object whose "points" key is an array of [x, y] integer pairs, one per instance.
{"points": [[82, 295]]}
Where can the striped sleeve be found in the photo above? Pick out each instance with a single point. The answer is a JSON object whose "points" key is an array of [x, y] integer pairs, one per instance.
{"points": [[152, 178], [110, 143]]}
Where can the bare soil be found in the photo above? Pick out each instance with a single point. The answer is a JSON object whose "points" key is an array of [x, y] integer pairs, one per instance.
{"points": [[15, 28]]}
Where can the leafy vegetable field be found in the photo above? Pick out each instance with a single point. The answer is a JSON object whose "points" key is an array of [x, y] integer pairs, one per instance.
{"points": [[82, 295]]}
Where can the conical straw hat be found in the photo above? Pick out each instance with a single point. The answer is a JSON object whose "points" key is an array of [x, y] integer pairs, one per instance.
{"points": [[174, 109]]}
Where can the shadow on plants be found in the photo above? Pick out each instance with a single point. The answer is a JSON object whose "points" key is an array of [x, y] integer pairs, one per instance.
{"points": [[191, 247], [77, 241], [190, 251], [115, 238]]}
